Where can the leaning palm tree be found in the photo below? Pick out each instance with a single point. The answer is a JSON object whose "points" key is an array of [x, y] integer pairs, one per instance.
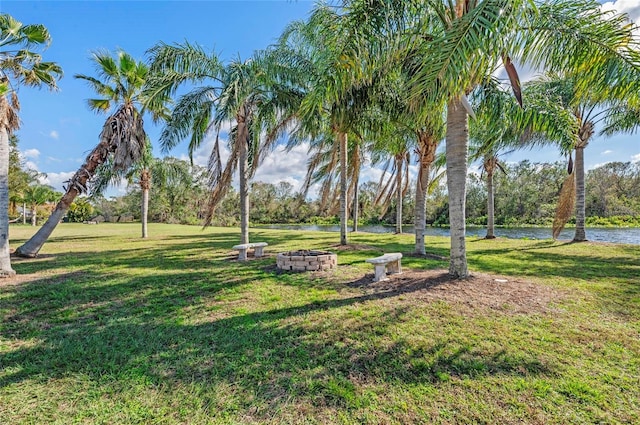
{"points": [[476, 35], [20, 64], [122, 139]]}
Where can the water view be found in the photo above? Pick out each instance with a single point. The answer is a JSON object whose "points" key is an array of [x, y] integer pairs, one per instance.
{"points": [[630, 235]]}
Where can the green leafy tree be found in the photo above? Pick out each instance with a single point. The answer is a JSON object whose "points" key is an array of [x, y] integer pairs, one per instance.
{"points": [[80, 211], [21, 64], [20, 178]]}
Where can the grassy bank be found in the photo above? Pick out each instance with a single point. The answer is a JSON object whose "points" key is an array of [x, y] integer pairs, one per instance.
{"points": [[105, 327]]}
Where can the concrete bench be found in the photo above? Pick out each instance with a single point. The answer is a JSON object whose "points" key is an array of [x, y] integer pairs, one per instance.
{"points": [[242, 249], [386, 263]]}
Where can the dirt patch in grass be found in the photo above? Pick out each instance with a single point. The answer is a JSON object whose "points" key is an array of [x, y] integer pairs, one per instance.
{"points": [[480, 290]]}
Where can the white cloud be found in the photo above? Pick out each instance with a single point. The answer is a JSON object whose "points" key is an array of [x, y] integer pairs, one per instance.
{"points": [[630, 7], [594, 166], [31, 153], [54, 134], [282, 165], [57, 179], [607, 152], [31, 165], [635, 158], [202, 154]]}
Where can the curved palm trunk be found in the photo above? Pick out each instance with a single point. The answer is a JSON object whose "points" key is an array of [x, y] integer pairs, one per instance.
{"points": [[427, 156], [243, 168], [96, 157], [123, 136], [456, 154], [580, 235], [5, 258], [489, 166], [342, 140], [399, 159]]}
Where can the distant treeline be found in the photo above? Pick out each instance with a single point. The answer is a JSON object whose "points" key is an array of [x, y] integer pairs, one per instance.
{"points": [[526, 194]]}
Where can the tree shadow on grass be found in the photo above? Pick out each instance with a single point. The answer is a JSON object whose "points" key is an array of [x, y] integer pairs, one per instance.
{"points": [[137, 330]]}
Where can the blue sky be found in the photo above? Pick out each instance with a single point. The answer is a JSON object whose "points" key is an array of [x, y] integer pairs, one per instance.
{"points": [[58, 130]]}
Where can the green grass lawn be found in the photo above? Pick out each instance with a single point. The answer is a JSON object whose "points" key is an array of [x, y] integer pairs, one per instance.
{"points": [[105, 327]]}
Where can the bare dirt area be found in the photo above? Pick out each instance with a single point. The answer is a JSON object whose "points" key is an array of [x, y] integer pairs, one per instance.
{"points": [[480, 290]]}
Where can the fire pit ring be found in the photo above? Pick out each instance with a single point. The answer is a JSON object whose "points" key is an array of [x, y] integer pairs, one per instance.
{"points": [[306, 260]]}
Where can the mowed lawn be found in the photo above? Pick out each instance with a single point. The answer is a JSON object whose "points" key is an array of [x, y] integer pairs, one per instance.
{"points": [[107, 328]]}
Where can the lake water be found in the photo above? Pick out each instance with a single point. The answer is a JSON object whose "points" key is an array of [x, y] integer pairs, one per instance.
{"points": [[630, 235]]}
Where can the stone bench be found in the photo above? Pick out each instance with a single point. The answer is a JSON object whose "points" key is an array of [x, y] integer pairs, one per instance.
{"points": [[243, 248], [387, 263]]}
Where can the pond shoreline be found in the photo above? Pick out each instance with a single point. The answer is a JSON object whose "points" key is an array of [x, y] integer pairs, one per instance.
{"points": [[627, 235]]}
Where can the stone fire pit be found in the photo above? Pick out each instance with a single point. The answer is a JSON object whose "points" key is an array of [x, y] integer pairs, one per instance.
{"points": [[304, 260]]}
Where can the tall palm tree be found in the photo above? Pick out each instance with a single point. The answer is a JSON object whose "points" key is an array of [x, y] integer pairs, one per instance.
{"points": [[588, 109], [323, 167], [394, 181], [20, 64], [335, 96], [246, 95], [476, 35], [390, 35], [122, 139]]}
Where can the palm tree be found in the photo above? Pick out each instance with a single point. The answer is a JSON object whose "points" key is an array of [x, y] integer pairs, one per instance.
{"points": [[245, 94], [144, 172], [476, 35], [587, 109], [323, 50], [323, 167], [494, 129], [38, 195], [20, 64], [122, 139], [394, 180]]}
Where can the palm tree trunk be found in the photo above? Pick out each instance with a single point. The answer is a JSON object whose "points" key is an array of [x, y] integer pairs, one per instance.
{"points": [[356, 206], [31, 247], [489, 167], [24, 213], [145, 185], [580, 235], [34, 214], [5, 257], [456, 153], [144, 212], [427, 146], [420, 219], [399, 159], [342, 140], [243, 168]]}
